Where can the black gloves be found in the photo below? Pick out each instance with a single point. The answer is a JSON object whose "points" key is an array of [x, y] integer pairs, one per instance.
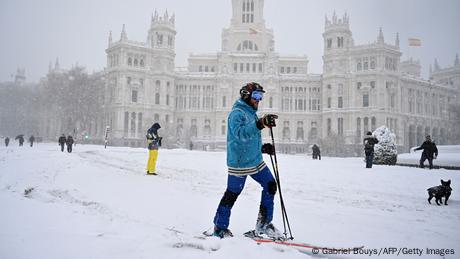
{"points": [[268, 120], [268, 148], [159, 141]]}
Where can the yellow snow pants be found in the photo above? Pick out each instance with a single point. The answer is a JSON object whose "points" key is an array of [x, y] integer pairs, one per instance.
{"points": [[152, 163]]}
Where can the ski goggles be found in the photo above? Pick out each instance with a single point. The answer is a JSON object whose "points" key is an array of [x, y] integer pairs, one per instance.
{"points": [[256, 95]]}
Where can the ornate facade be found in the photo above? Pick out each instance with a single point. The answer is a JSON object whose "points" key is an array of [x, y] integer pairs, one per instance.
{"points": [[362, 87]]}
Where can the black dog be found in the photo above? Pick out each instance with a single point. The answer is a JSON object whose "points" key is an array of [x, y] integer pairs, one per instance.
{"points": [[440, 191]]}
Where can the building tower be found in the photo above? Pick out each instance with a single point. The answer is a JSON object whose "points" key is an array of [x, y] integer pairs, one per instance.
{"points": [[162, 38], [336, 92], [247, 31]]}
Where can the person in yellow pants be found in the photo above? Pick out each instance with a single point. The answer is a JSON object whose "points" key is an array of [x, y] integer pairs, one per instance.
{"points": [[154, 142]]}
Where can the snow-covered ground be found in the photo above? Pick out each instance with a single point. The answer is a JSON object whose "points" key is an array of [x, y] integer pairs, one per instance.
{"points": [[97, 203], [449, 155]]}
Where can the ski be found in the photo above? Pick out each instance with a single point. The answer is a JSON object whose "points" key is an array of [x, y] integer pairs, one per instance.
{"points": [[314, 250]]}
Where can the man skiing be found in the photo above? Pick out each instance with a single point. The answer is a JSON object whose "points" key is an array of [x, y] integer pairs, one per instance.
{"points": [[369, 142], [244, 157], [429, 148], [61, 141], [154, 142]]}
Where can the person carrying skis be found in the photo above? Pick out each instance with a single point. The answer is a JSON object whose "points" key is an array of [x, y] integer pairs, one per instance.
{"points": [[244, 157], [154, 142], [429, 149], [31, 140], [62, 140], [369, 142], [7, 141], [69, 143]]}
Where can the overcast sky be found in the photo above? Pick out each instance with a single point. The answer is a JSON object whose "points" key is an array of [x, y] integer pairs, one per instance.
{"points": [[35, 32]]}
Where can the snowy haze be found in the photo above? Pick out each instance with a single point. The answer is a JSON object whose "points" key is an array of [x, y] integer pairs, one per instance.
{"points": [[98, 203], [36, 32]]}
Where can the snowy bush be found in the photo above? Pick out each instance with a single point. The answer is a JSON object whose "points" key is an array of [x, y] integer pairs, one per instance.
{"points": [[385, 152]]}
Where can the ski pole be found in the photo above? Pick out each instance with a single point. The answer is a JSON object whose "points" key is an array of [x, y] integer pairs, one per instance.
{"points": [[283, 207]]}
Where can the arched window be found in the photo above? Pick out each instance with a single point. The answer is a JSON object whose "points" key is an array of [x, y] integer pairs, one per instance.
{"points": [[157, 98], [139, 122], [142, 63], [207, 128], [223, 128], [358, 129], [133, 122], [247, 45], [136, 62], [366, 124]]}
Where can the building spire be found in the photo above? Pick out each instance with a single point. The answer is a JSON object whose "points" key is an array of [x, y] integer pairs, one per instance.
{"points": [[110, 38], [123, 36], [380, 38], [436, 65], [155, 16], [56, 64], [397, 40], [50, 67], [457, 61]]}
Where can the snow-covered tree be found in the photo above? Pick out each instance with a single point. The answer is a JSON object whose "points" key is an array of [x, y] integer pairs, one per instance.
{"points": [[385, 152]]}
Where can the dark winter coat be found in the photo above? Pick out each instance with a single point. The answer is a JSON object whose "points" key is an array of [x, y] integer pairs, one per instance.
{"points": [[315, 150], [69, 141], [31, 139], [20, 138], [369, 143], [429, 148], [7, 141], [62, 140], [153, 139]]}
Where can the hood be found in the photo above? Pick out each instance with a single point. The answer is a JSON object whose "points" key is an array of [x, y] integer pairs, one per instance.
{"points": [[241, 104]]}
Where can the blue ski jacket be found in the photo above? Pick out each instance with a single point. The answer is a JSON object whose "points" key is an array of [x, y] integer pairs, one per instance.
{"points": [[244, 141]]}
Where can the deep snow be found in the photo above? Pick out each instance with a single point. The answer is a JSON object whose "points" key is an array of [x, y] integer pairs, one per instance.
{"points": [[97, 203]]}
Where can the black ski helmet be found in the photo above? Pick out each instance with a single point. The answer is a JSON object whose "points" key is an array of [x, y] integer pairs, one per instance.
{"points": [[246, 90]]}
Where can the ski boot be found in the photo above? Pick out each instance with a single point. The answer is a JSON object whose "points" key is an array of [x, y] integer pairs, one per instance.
{"points": [[268, 230], [222, 233]]}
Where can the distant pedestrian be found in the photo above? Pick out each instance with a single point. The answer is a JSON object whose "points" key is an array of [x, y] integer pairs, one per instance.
{"points": [[20, 138], [69, 143], [7, 141], [430, 152], [316, 152], [154, 142], [369, 142], [62, 140], [31, 140]]}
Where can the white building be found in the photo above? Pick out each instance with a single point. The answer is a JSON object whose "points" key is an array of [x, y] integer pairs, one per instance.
{"points": [[362, 87]]}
